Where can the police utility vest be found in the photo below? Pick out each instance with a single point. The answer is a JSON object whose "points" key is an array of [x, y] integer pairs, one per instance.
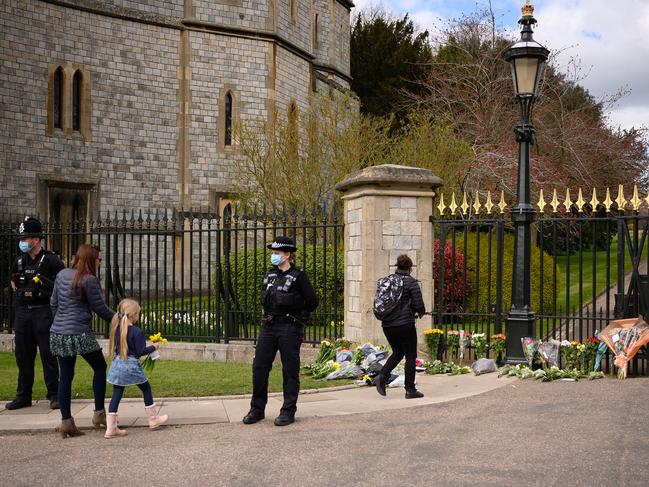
{"points": [[32, 287], [278, 295]]}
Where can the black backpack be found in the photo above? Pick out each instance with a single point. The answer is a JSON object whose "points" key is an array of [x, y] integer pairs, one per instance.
{"points": [[388, 295]]}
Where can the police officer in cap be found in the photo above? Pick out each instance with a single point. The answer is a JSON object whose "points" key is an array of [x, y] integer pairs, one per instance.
{"points": [[33, 274], [287, 297]]}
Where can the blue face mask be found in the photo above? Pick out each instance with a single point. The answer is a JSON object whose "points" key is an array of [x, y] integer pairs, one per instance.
{"points": [[24, 247], [275, 259]]}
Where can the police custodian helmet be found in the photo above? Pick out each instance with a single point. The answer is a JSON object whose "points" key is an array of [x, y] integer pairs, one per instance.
{"points": [[30, 227], [284, 244]]}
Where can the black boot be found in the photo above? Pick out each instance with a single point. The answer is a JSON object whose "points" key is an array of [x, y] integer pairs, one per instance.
{"points": [[18, 403], [284, 419], [379, 381], [253, 417], [414, 394]]}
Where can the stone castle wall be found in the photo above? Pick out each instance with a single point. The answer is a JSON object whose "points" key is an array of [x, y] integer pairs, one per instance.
{"points": [[156, 93]]}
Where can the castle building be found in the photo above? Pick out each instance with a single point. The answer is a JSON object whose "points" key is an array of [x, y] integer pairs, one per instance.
{"points": [[108, 105]]}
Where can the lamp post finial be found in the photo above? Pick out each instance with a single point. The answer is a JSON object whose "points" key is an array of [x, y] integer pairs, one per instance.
{"points": [[528, 9]]}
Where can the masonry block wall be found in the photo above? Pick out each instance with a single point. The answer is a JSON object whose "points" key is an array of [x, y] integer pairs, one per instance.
{"points": [[387, 211], [157, 73]]}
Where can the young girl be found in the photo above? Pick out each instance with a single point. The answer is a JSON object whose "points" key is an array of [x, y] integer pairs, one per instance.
{"points": [[129, 344]]}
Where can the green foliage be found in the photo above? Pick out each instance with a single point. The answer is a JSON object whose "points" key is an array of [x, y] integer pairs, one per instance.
{"points": [[295, 162], [252, 266], [431, 144], [484, 284], [387, 58]]}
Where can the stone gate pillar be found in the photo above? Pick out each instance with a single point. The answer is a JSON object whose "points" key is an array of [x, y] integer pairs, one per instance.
{"points": [[387, 212]]}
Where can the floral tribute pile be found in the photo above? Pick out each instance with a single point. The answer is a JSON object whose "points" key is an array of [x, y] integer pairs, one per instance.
{"points": [[579, 360], [454, 343], [342, 359]]}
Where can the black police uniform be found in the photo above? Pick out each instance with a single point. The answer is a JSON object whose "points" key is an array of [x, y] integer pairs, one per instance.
{"points": [[34, 281], [287, 298]]}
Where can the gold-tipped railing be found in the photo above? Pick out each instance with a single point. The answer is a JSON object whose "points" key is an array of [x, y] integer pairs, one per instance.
{"points": [[475, 206]]}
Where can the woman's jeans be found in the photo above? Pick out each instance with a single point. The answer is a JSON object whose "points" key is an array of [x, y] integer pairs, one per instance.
{"points": [[403, 340], [66, 365]]}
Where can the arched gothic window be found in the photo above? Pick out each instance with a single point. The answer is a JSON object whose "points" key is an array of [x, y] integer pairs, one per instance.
{"points": [[228, 119], [58, 98], [76, 100]]}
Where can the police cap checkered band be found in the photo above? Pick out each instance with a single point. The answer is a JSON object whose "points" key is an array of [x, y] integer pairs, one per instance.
{"points": [[284, 244]]}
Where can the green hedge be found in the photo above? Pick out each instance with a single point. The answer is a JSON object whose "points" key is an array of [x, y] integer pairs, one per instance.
{"points": [[483, 285], [247, 277]]}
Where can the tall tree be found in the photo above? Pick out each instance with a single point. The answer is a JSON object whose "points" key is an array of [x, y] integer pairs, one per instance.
{"points": [[388, 57], [468, 85]]}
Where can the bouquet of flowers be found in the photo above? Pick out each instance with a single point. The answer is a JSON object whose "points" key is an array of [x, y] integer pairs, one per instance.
{"points": [[433, 339], [549, 352], [624, 338], [570, 355], [452, 342], [149, 362], [588, 354], [530, 347], [463, 342], [479, 344], [498, 345]]}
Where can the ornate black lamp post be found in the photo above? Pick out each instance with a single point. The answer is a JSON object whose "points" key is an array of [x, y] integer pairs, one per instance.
{"points": [[527, 58]]}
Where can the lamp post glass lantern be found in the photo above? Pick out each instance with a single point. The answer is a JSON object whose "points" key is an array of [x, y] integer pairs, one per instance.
{"points": [[527, 58]]}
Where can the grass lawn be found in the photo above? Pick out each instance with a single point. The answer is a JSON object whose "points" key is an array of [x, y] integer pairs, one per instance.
{"points": [[587, 276], [168, 379]]}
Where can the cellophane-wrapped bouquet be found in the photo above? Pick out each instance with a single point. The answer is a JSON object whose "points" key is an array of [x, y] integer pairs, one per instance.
{"points": [[624, 338]]}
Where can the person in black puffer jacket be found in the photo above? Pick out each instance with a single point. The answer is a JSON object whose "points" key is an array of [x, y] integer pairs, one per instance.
{"points": [[400, 331], [76, 295]]}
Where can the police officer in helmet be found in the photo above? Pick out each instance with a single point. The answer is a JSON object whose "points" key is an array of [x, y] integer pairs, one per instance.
{"points": [[32, 279], [287, 298]]}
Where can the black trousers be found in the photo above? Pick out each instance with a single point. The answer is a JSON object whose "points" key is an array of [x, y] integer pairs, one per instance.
{"points": [[32, 329], [403, 341], [287, 338]]}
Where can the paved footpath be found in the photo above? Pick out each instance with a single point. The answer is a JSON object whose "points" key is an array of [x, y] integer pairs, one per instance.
{"points": [[525, 433], [208, 410]]}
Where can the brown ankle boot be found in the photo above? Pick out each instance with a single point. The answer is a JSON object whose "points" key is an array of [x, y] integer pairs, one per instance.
{"points": [[99, 418], [68, 428]]}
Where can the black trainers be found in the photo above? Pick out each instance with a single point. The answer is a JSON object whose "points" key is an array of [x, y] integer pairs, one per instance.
{"points": [[379, 381], [284, 419], [253, 417], [415, 394], [18, 404], [54, 403]]}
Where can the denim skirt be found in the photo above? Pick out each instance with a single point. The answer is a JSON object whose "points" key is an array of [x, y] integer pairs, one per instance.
{"points": [[126, 372]]}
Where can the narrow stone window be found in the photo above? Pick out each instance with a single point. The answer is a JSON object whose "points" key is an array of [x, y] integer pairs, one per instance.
{"points": [[293, 10], [292, 129], [316, 31], [58, 98], [228, 119], [76, 101]]}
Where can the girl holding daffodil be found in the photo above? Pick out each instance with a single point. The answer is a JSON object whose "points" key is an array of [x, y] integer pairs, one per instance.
{"points": [[128, 343]]}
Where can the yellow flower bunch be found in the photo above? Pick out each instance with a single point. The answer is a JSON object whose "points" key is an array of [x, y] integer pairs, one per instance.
{"points": [[326, 343], [157, 338], [432, 331]]}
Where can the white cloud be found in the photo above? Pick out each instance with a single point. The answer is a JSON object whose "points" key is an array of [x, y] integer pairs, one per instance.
{"points": [[609, 38]]}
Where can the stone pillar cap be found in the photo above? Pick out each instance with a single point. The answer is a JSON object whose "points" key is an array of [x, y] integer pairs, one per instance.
{"points": [[389, 175]]}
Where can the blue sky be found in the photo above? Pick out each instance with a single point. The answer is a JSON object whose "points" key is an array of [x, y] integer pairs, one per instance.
{"points": [[605, 39]]}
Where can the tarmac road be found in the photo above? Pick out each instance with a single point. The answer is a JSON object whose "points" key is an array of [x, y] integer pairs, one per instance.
{"points": [[526, 433]]}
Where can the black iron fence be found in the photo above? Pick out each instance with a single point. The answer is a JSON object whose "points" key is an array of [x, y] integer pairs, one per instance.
{"points": [[588, 267], [197, 276]]}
